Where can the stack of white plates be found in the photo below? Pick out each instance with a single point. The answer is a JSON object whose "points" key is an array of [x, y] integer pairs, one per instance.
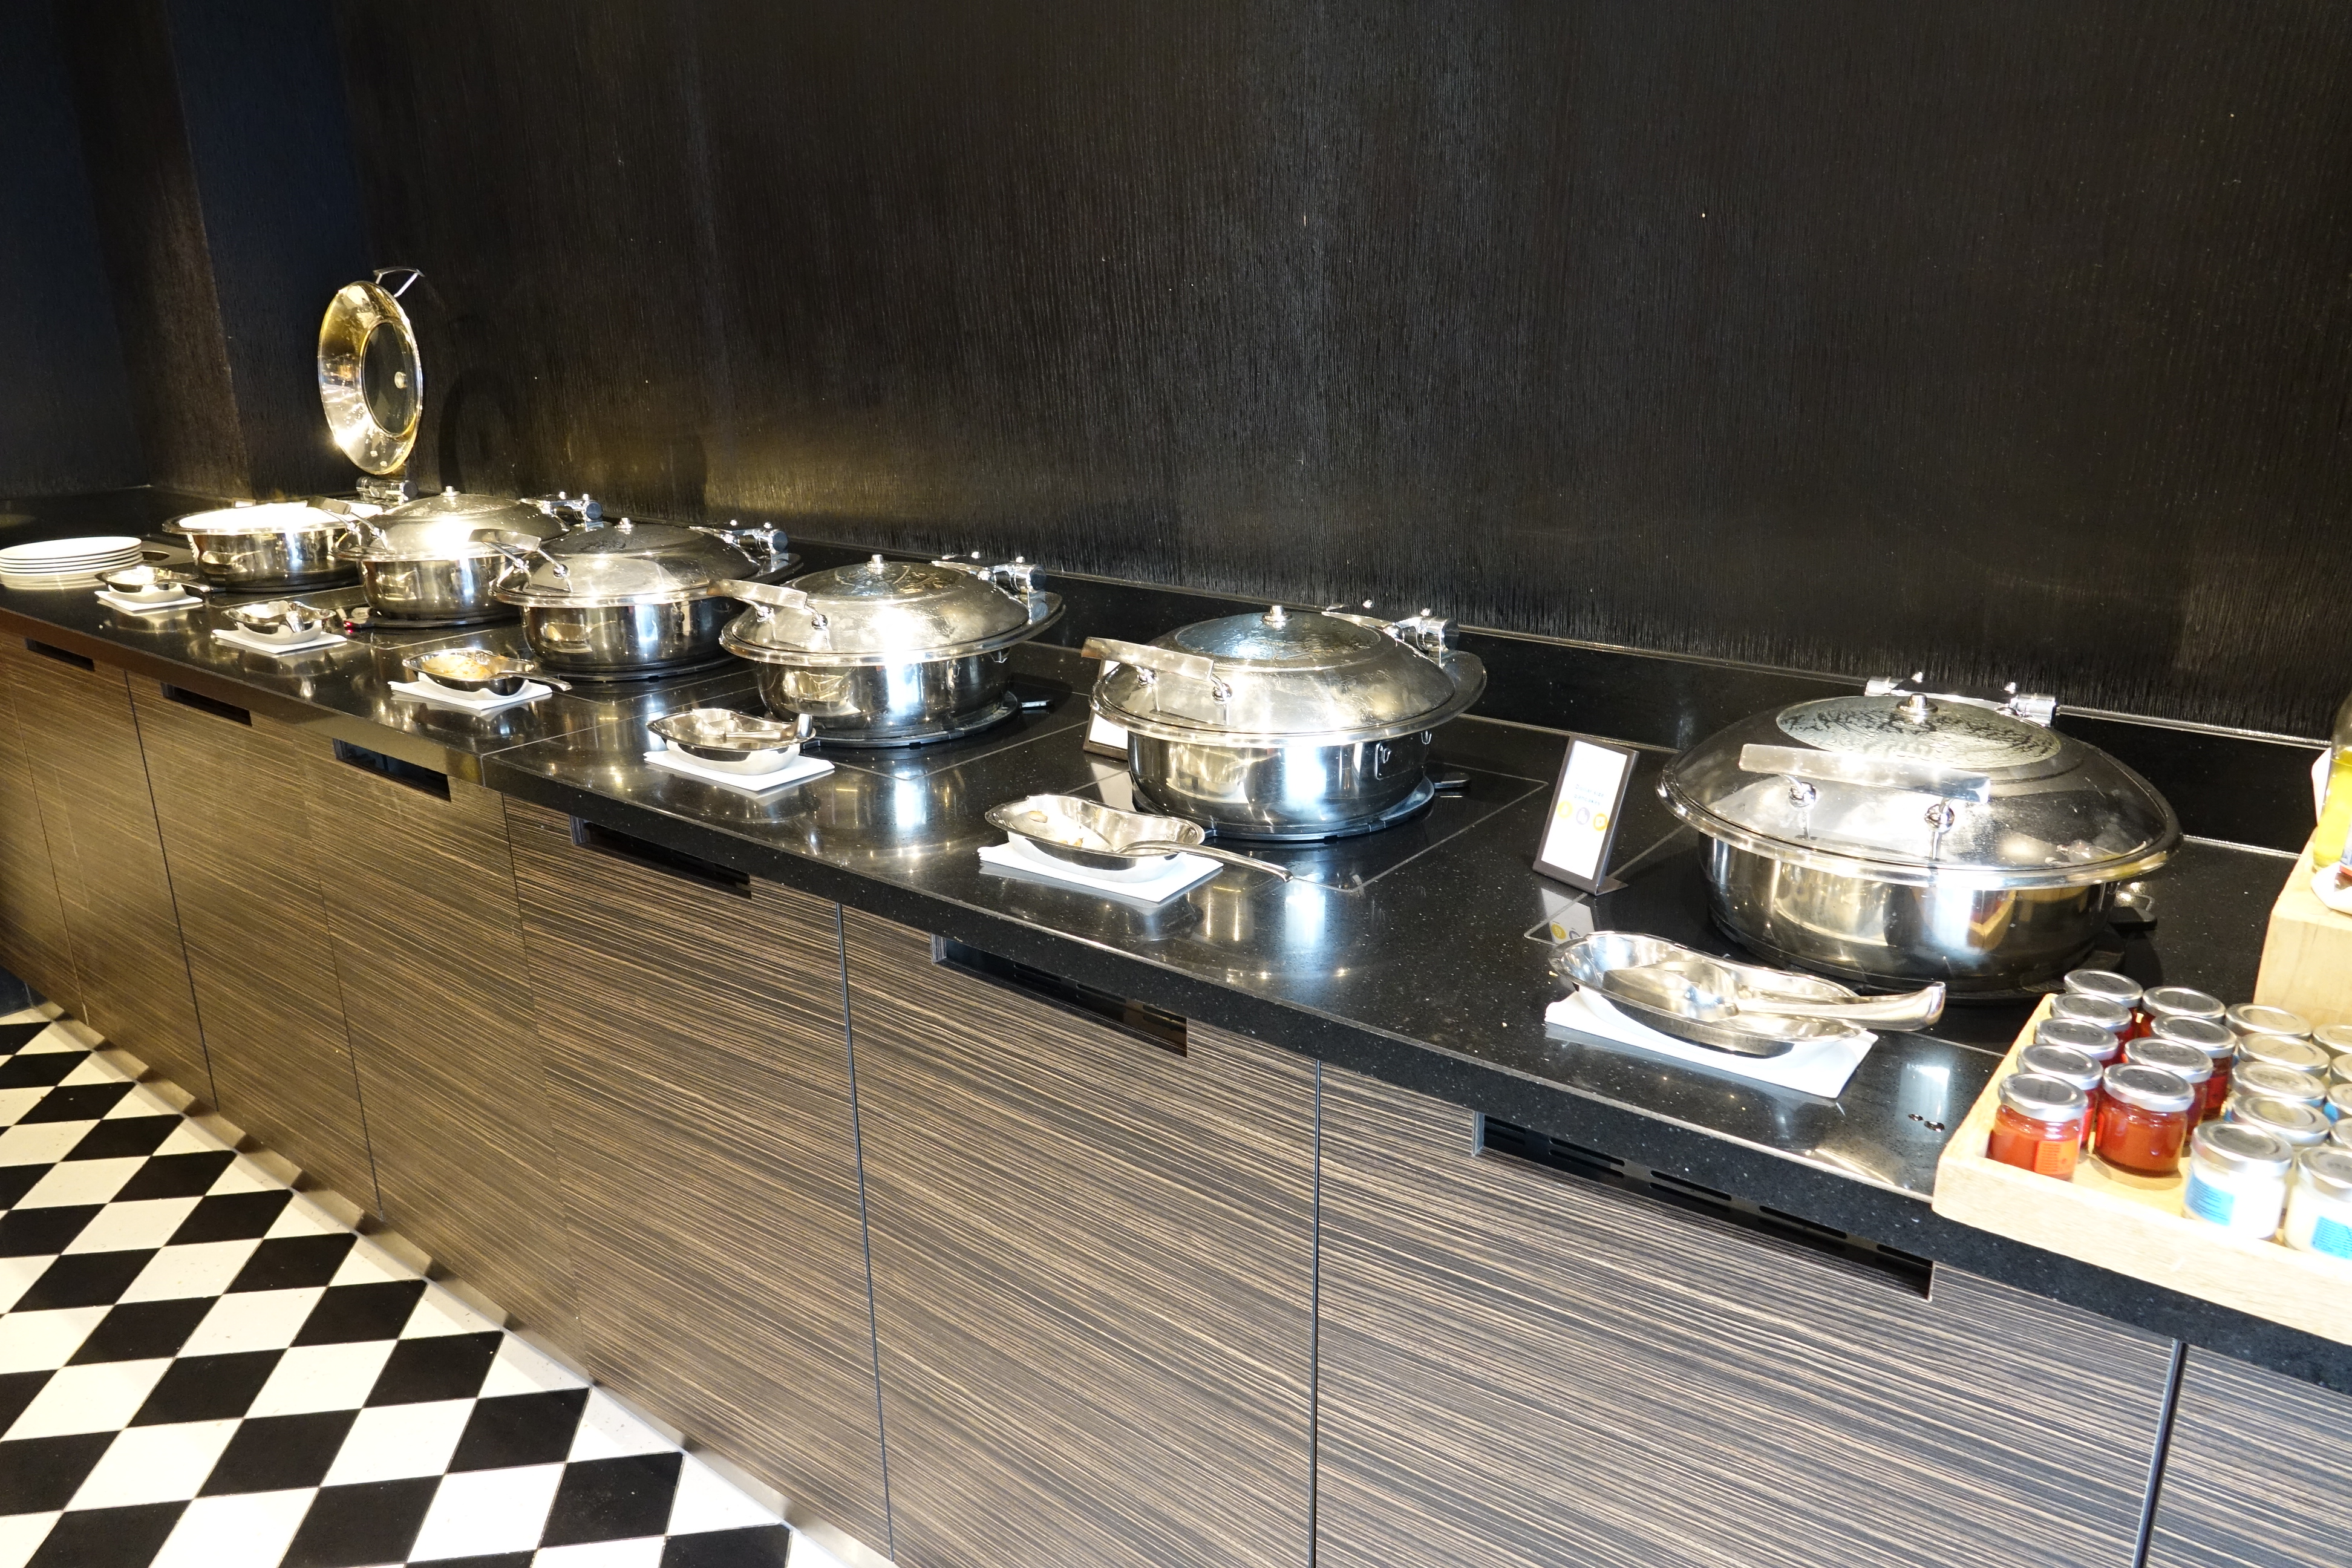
{"points": [[66, 563]]}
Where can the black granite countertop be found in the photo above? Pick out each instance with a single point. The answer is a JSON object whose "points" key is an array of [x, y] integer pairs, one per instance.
{"points": [[1419, 955]]}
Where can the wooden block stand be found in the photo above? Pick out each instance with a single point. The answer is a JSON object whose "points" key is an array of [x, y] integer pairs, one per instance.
{"points": [[2307, 957], [2134, 1225]]}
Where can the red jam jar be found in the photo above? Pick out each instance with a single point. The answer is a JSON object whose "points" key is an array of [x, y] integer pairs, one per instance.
{"points": [[2113, 1017], [2067, 1066], [2162, 1002], [2190, 1062], [2038, 1126], [2144, 1124], [2077, 1035], [2221, 1047], [2108, 986]]}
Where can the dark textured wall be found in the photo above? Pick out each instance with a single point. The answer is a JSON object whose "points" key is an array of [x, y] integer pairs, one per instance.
{"points": [[65, 405], [2009, 340]]}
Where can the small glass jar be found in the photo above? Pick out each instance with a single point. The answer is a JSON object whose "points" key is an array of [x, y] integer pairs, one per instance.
{"points": [[2297, 1126], [2190, 1062], [2162, 1002], [2286, 1051], [2339, 1103], [2336, 1039], [2038, 1126], [2221, 1047], [2113, 1017], [2144, 1124], [2255, 1018], [2075, 1035], [2319, 1203], [2340, 1135], [2109, 986], [2340, 1069], [2268, 1080], [2067, 1066], [2237, 1179]]}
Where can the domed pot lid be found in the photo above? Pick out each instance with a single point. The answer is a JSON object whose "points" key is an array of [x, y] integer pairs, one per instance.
{"points": [[881, 611], [1915, 788], [265, 516], [453, 526], [629, 563], [1288, 677], [371, 377]]}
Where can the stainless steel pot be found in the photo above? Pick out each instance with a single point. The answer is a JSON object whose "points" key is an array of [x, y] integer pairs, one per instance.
{"points": [[1286, 725], [441, 559], [275, 547], [1900, 837], [626, 599], [892, 653]]}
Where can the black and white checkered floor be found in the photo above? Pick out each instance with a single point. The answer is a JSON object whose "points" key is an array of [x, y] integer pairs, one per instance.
{"points": [[200, 1366]]}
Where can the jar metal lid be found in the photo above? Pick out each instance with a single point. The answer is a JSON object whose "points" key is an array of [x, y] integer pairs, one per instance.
{"points": [[2040, 1097], [2301, 1125], [2149, 1089], [2341, 1134], [2104, 984], [2236, 1147], [2327, 1170], [2268, 1080], [2339, 1100], [2188, 1061], [2203, 1033], [2061, 1062], [2337, 1037], [2076, 1034], [2340, 1069], [2283, 1051], [2112, 1017], [2254, 1018], [2183, 1001]]}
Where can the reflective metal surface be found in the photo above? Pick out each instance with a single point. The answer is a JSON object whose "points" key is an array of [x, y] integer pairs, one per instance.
{"points": [[1111, 842], [628, 564], [478, 670], [626, 640], [1281, 792], [371, 377], [461, 590], [890, 652], [739, 743], [278, 545]]}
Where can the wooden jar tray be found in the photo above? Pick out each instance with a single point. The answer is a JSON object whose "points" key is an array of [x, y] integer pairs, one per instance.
{"points": [[2134, 1225]]}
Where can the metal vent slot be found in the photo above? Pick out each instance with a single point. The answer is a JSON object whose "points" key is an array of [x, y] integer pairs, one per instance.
{"points": [[204, 704], [47, 651], [1140, 1019], [658, 857], [1911, 1273], [423, 780]]}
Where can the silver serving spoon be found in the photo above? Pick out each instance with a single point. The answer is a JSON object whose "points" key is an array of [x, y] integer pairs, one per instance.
{"points": [[1650, 996], [1711, 991]]}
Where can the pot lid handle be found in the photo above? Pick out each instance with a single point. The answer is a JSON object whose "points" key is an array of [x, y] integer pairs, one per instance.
{"points": [[1870, 772], [765, 595], [1148, 661]]}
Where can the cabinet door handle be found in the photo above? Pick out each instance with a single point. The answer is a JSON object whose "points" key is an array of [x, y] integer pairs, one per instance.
{"points": [[652, 856], [48, 650], [204, 704], [1140, 1019], [424, 781]]}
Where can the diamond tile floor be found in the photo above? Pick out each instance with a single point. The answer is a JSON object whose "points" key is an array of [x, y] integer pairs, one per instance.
{"points": [[199, 1366]]}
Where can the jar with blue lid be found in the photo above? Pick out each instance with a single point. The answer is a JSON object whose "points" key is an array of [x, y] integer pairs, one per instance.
{"points": [[2319, 1207], [2237, 1178]]}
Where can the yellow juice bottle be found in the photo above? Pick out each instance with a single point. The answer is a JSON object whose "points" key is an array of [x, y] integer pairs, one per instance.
{"points": [[2336, 815]]}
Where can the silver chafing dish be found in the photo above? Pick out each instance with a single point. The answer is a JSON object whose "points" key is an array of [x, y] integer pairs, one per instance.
{"points": [[1899, 837], [269, 547], [441, 560], [1292, 724], [888, 653], [629, 599]]}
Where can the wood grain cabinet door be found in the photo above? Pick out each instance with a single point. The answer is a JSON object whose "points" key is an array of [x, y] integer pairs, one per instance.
{"points": [[82, 743], [234, 808], [436, 997], [1521, 1366], [2259, 1473], [696, 1035], [33, 941], [1093, 1277]]}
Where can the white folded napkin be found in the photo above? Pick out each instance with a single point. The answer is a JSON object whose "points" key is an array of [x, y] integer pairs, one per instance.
{"points": [[145, 607], [1183, 873], [471, 701], [1810, 1066], [240, 637], [798, 771]]}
